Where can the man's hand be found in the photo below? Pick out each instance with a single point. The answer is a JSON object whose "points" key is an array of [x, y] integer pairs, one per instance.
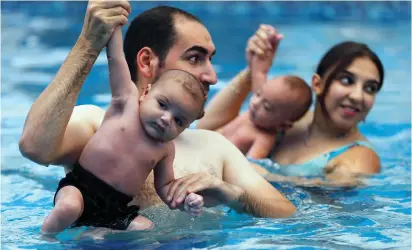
{"points": [[193, 204], [261, 48], [194, 183], [54, 133], [101, 19]]}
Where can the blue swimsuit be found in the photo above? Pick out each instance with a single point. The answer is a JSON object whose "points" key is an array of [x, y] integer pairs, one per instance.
{"points": [[311, 168]]}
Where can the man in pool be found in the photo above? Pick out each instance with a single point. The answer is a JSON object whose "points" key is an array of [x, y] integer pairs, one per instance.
{"points": [[135, 138], [159, 39]]}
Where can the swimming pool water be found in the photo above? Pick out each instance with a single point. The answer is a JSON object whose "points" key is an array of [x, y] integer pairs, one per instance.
{"points": [[35, 40]]}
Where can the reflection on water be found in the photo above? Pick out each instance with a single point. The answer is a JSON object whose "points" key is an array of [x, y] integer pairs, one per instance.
{"points": [[375, 216]]}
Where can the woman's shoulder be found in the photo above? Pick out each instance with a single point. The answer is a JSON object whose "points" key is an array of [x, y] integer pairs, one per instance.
{"points": [[360, 141], [361, 157]]}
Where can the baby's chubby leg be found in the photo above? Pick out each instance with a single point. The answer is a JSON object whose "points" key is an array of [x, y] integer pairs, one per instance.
{"points": [[67, 209], [193, 204]]}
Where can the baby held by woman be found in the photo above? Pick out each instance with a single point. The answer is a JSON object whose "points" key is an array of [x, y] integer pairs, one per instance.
{"points": [[273, 108]]}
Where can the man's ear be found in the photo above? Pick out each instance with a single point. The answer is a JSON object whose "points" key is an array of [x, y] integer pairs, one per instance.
{"points": [[147, 62], [317, 84]]}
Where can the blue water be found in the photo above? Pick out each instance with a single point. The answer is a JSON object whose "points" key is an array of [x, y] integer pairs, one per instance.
{"points": [[37, 36]]}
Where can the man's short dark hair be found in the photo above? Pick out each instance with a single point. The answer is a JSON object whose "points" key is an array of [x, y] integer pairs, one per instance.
{"points": [[155, 29]]}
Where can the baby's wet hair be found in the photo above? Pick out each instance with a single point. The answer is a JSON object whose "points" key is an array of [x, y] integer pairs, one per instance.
{"points": [[190, 84], [299, 87]]}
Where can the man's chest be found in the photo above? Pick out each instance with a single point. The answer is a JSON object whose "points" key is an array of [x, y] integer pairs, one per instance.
{"points": [[191, 164]]}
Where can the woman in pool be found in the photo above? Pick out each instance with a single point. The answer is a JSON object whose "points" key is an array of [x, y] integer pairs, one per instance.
{"points": [[326, 142]]}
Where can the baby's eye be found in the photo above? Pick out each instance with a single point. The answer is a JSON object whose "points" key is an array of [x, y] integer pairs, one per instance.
{"points": [[161, 104], [179, 122]]}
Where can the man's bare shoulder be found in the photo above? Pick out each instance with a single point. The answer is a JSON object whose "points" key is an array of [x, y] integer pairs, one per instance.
{"points": [[206, 141], [219, 145], [90, 114], [193, 134], [84, 111], [199, 134]]}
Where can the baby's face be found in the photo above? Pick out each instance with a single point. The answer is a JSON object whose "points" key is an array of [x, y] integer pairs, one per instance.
{"points": [[167, 110], [270, 105]]}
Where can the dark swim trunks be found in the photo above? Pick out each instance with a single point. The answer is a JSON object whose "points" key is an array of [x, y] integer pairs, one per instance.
{"points": [[104, 206]]}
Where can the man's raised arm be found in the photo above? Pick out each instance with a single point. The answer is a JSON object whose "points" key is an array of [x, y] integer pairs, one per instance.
{"points": [[48, 137]]}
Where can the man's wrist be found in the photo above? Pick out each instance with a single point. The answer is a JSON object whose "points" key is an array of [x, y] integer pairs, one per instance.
{"points": [[86, 47]]}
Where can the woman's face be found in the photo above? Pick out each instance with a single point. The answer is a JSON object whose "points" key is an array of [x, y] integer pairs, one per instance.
{"points": [[351, 94]]}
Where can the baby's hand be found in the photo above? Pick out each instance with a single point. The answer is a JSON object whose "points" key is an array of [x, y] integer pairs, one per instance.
{"points": [[193, 204]]}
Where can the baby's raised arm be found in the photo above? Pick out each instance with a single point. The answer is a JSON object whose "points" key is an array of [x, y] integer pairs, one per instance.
{"points": [[121, 83]]}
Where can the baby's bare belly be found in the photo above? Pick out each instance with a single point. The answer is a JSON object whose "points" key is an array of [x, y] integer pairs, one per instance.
{"points": [[117, 165], [128, 180]]}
